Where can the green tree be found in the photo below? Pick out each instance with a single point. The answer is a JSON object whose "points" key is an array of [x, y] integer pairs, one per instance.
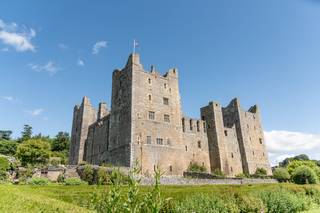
{"points": [[26, 134], [297, 163], [285, 162], [281, 174], [34, 152], [61, 142], [8, 147], [304, 175], [5, 134]]}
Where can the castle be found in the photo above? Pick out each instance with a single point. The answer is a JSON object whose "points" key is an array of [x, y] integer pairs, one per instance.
{"points": [[146, 125]]}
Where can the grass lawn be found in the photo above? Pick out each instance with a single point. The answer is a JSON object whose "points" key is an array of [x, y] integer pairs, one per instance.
{"points": [[58, 198]]}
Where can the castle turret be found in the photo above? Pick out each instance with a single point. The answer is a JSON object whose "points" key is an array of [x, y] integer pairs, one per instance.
{"points": [[83, 117], [103, 110]]}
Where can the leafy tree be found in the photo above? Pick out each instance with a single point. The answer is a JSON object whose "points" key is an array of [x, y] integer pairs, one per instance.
{"points": [[285, 162], [304, 175], [33, 151], [26, 134], [281, 174], [297, 163], [8, 147], [5, 134], [301, 157], [61, 142]]}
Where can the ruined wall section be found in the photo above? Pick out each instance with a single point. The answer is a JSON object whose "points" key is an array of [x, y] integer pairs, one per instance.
{"points": [[84, 116], [195, 139]]}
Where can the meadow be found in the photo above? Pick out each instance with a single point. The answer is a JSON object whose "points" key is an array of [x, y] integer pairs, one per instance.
{"points": [[60, 198]]}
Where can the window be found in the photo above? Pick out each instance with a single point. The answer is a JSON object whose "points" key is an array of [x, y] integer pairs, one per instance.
{"points": [[260, 140], [149, 80], [225, 132], [231, 169], [198, 127], [186, 148], [148, 139], [231, 154], [149, 97], [183, 125], [166, 118], [151, 115], [166, 101], [165, 86], [199, 144], [191, 127], [170, 168], [253, 153], [204, 127], [168, 142], [159, 141]]}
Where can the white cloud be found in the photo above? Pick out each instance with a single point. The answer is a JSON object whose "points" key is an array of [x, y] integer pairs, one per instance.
{"points": [[98, 45], [62, 46], [283, 144], [8, 98], [35, 112], [17, 37], [80, 62], [49, 67]]}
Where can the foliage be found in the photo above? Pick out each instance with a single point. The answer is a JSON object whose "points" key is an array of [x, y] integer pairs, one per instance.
{"points": [[278, 201], [242, 175], [3, 176], [54, 161], [8, 147], [116, 199], [304, 175], [38, 181], [311, 164], [74, 182], [195, 167], [61, 142], [218, 173], [25, 174], [26, 134], [5, 134], [249, 203], [87, 174], [281, 174], [103, 177], [33, 151], [61, 178], [285, 162], [63, 155], [4, 164]]}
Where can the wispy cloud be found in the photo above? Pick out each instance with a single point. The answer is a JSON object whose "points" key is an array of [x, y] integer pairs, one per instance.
{"points": [[17, 37], [62, 46], [7, 98], [35, 112], [49, 67], [80, 62], [98, 45], [283, 144]]}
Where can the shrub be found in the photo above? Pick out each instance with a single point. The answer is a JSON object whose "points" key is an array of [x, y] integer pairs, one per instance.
{"points": [[281, 174], [8, 147], [103, 176], [33, 151], [61, 178], [74, 182], [281, 201], [304, 175], [38, 181], [297, 163], [87, 174], [55, 161], [314, 194], [218, 173], [247, 203], [3, 176], [260, 173], [195, 167], [4, 164], [241, 175]]}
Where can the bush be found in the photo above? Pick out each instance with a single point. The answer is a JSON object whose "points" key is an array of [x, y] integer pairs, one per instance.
{"points": [[8, 147], [33, 151], [281, 201], [247, 203], [3, 176], [218, 173], [61, 178], [260, 173], [281, 174], [38, 181], [87, 174], [103, 176], [242, 175], [195, 167], [314, 194], [74, 182], [4, 164], [304, 175], [297, 163]]}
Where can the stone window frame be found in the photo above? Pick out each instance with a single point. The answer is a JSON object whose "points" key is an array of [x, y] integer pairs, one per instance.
{"points": [[152, 115], [166, 118], [165, 101], [159, 141], [199, 144], [149, 139]]}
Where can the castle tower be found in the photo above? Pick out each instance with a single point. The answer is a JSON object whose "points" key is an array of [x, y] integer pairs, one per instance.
{"points": [[83, 117]]}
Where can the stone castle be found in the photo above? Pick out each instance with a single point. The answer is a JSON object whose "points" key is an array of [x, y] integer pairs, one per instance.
{"points": [[146, 126]]}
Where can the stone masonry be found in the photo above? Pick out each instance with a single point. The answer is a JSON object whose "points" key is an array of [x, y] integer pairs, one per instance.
{"points": [[146, 126]]}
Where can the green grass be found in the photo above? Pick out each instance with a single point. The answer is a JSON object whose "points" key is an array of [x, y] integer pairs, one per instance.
{"points": [[58, 198]]}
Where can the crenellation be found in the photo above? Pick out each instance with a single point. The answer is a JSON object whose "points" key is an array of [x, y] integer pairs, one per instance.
{"points": [[146, 125]]}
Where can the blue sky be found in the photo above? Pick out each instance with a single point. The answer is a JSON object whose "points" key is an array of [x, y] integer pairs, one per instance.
{"points": [[264, 52]]}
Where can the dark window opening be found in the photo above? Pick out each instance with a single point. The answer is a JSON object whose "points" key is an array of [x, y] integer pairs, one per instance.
{"points": [[260, 140], [151, 115], [225, 132], [170, 168], [148, 139], [149, 80], [232, 155], [166, 118], [186, 148], [166, 101], [159, 141], [198, 127], [199, 144], [149, 97], [183, 125], [191, 127]]}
